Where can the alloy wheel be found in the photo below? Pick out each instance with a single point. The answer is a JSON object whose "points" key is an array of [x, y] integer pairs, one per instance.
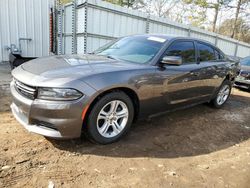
{"points": [[112, 118], [223, 95]]}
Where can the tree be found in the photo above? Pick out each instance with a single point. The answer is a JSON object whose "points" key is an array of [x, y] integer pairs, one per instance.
{"points": [[239, 7], [241, 27], [64, 1], [128, 3], [162, 8], [197, 18], [216, 5]]}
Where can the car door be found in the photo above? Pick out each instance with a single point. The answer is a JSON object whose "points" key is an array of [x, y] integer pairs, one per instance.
{"points": [[213, 63], [184, 84]]}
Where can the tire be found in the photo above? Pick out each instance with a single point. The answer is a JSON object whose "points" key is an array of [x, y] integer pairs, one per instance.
{"points": [[248, 88], [225, 87], [110, 118]]}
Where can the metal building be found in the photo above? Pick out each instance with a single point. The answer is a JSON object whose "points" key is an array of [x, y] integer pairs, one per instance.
{"points": [[25, 26], [35, 28], [88, 24]]}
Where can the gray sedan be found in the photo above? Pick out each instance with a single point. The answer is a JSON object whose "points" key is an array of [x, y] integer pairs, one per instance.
{"points": [[243, 80], [104, 92]]}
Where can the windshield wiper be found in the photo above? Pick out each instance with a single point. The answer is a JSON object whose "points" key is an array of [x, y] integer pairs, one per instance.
{"points": [[108, 56]]}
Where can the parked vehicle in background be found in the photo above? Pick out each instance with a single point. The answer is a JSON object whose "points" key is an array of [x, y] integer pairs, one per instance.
{"points": [[17, 59], [15, 55], [243, 80], [132, 77]]}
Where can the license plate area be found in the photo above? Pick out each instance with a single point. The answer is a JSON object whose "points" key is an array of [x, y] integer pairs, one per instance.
{"points": [[22, 115]]}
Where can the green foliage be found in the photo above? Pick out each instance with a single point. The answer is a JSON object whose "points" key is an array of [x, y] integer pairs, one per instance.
{"points": [[128, 3], [65, 1], [215, 5], [200, 3]]}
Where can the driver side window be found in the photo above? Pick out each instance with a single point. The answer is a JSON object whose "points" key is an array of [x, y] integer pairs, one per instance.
{"points": [[183, 49]]}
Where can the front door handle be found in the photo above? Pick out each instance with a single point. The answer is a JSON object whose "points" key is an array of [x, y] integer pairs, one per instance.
{"points": [[194, 73]]}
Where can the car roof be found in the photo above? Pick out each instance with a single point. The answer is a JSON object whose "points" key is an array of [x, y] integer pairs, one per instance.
{"points": [[170, 37]]}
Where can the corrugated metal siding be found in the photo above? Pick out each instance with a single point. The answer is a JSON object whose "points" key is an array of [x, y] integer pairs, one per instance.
{"points": [[227, 46], [25, 19], [103, 25], [203, 36], [68, 30], [161, 28], [106, 21], [95, 43], [80, 45], [163, 25], [80, 20], [243, 51]]}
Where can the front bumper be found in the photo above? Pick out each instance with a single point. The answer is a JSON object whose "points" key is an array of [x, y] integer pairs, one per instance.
{"points": [[242, 83], [56, 119]]}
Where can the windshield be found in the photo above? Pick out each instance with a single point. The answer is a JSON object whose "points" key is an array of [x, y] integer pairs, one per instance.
{"points": [[135, 49], [245, 61]]}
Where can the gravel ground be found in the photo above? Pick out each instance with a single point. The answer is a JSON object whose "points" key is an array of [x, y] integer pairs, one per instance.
{"points": [[5, 76], [196, 147]]}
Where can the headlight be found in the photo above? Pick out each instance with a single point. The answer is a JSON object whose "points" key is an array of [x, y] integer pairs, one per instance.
{"points": [[58, 94]]}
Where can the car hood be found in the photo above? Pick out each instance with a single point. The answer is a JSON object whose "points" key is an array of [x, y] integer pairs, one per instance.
{"points": [[74, 66]]}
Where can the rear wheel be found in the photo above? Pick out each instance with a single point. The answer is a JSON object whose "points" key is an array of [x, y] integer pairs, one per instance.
{"points": [[222, 94], [110, 118]]}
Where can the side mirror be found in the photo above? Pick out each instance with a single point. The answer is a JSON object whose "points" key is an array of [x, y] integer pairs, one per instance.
{"points": [[171, 60]]}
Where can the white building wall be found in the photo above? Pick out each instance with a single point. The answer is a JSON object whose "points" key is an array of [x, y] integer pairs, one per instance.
{"points": [[25, 19], [104, 22], [243, 51]]}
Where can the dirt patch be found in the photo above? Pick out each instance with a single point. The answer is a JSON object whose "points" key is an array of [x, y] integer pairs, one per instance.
{"points": [[196, 147]]}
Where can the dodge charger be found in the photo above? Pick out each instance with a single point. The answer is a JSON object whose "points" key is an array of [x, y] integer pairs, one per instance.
{"points": [[102, 93]]}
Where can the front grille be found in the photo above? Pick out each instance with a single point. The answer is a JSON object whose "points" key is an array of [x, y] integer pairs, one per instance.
{"points": [[25, 90], [44, 124]]}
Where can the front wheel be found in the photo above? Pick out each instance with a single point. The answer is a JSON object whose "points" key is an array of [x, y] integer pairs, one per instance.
{"points": [[110, 118], [222, 94]]}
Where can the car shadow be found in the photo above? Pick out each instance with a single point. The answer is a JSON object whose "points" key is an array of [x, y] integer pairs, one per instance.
{"points": [[194, 131], [242, 89]]}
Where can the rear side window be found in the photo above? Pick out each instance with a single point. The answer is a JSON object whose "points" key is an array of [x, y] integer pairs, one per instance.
{"points": [[184, 49], [207, 53], [218, 55]]}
